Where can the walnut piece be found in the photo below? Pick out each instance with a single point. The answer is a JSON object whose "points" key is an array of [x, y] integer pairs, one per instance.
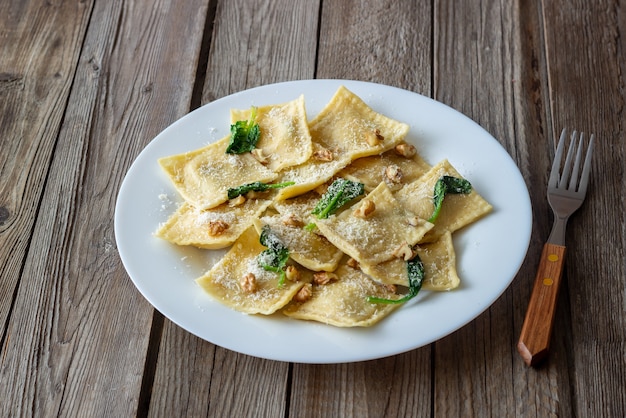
{"points": [[353, 263], [248, 283], [324, 277], [292, 273], [404, 252], [394, 174], [374, 137], [406, 150], [217, 227], [323, 155], [304, 293], [366, 208], [293, 221]]}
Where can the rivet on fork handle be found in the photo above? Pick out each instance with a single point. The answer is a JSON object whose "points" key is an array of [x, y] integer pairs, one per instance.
{"points": [[534, 342]]}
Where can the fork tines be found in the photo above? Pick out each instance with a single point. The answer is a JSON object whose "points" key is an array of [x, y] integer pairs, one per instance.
{"points": [[569, 178]]}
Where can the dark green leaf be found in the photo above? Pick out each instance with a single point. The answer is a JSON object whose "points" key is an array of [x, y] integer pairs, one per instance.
{"points": [[275, 257], [244, 135], [340, 192], [256, 186], [447, 185], [415, 270]]}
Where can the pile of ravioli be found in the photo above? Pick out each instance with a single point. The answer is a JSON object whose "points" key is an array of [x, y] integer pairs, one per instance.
{"points": [[346, 258]]}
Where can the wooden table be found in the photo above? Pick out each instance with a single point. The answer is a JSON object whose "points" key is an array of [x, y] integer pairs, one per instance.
{"points": [[85, 85]]}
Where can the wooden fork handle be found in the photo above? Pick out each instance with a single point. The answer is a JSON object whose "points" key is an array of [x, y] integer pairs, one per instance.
{"points": [[536, 332]]}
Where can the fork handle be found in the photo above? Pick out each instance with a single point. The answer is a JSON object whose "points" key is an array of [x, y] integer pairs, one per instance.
{"points": [[536, 332]]}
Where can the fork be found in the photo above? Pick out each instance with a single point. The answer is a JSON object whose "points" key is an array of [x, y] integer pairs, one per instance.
{"points": [[566, 193]]}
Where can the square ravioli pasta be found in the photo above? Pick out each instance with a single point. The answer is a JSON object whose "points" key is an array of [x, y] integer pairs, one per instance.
{"points": [[438, 258], [344, 302], [305, 248], [375, 229], [213, 228], [203, 177], [285, 139], [457, 211], [346, 129], [238, 280]]}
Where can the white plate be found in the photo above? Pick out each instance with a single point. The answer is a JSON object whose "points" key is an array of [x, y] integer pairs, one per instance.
{"points": [[489, 252]]}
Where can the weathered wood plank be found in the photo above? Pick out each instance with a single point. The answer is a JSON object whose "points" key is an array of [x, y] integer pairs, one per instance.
{"points": [[586, 63], [487, 56], [244, 52], [385, 42], [78, 336], [356, 43], [396, 386], [36, 73], [257, 43]]}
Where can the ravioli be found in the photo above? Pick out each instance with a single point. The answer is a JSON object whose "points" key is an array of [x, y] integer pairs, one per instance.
{"points": [[305, 248], [439, 262], [346, 129], [343, 303], [379, 236], [457, 211], [285, 139], [212, 228], [224, 280], [203, 177]]}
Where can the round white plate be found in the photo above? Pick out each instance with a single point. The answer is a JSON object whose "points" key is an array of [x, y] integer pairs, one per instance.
{"points": [[489, 252]]}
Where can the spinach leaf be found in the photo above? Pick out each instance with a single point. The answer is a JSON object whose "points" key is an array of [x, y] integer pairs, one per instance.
{"points": [[256, 186], [415, 270], [244, 135], [340, 192], [275, 257], [447, 185]]}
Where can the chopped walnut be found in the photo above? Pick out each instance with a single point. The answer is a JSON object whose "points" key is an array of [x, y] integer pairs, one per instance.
{"points": [[293, 221], [217, 227], [260, 156], [404, 252], [353, 263], [323, 155], [248, 283], [394, 174], [406, 150], [239, 200], [304, 293], [366, 208], [374, 137], [324, 277], [292, 273]]}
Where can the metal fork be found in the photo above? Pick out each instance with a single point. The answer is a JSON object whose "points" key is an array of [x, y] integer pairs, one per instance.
{"points": [[566, 193]]}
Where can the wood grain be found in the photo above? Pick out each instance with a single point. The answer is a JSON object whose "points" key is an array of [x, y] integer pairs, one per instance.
{"points": [[585, 63], [85, 85], [78, 335], [36, 73], [478, 68], [356, 43]]}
